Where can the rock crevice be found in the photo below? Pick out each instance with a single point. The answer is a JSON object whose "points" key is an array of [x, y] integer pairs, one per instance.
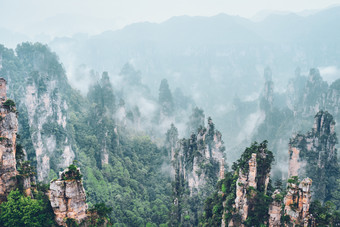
{"points": [[68, 198]]}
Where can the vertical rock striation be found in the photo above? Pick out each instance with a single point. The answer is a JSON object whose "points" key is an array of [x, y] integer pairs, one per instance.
{"points": [[8, 130], [197, 165], [314, 155], [47, 119], [297, 201], [244, 182], [68, 198], [253, 170], [275, 210], [193, 155]]}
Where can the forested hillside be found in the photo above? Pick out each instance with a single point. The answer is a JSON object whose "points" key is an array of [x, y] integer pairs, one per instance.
{"points": [[192, 121], [134, 172], [120, 167]]}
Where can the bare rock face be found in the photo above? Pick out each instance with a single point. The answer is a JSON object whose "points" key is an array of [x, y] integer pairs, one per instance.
{"points": [[68, 198], [197, 163], [204, 148], [47, 112], [294, 160], [314, 154], [41, 91], [222, 169], [245, 181], [297, 202], [8, 130], [275, 210], [253, 170], [244, 189]]}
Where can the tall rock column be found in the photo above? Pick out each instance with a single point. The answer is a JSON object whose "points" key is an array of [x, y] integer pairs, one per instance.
{"points": [[275, 210], [253, 170], [67, 197], [245, 181], [314, 155], [297, 201], [8, 130]]}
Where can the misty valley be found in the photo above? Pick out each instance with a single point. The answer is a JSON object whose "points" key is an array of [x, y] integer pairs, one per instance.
{"points": [[194, 121]]}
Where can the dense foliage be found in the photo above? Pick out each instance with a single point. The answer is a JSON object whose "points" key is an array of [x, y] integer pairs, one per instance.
{"points": [[130, 180], [20, 210], [125, 174], [258, 198], [120, 168]]}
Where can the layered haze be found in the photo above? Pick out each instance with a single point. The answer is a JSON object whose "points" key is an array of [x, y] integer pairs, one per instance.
{"points": [[215, 54]]}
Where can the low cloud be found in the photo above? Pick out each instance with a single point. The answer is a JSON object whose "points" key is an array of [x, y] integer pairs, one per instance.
{"points": [[330, 73]]}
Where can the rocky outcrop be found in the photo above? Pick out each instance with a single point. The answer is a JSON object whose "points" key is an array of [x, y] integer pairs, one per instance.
{"points": [[8, 135], [253, 178], [314, 154], [39, 85], [294, 159], [275, 210], [297, 201], [243, 184], [47, 119], [192, 155], [67, 197], [197, 163], [222, 169]]}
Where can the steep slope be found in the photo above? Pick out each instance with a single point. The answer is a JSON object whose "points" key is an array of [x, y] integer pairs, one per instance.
{"points": [[67, 196], [8, 135], [305, 97], [35, 81], [58, 125], [196, 164], [242, 197], [314, 155]]}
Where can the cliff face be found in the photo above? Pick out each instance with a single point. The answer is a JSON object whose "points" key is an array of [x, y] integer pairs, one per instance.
{"points": [[38, 83], [191, 156], [196, 165], [253, 169], [275, 210], [47, 119], [314, 155], [68, 198], [297, 201], [245, 180], [8, 130]]}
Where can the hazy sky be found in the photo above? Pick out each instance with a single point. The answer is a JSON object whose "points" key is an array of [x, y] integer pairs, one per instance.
{"points": [[68, 16]]}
